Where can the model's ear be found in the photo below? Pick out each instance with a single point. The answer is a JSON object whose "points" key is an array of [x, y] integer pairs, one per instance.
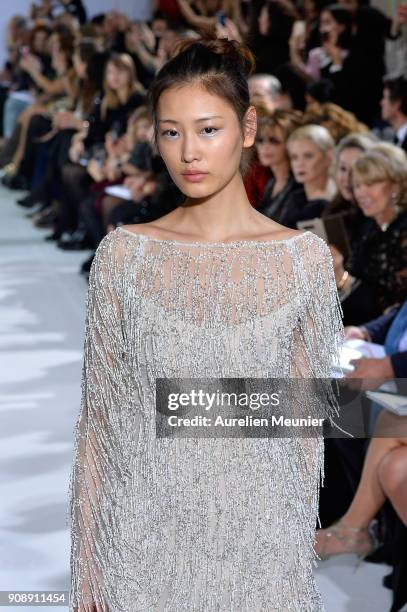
{"points": [[250, 126]]}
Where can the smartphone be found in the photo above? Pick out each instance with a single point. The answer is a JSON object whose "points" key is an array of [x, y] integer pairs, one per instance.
{"points": [[221, 18]]}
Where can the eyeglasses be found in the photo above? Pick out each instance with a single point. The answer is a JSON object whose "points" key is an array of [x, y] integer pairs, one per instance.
{"points": [[272, 140]]}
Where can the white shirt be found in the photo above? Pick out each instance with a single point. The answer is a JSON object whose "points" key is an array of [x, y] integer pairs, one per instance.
{"points": [[401, 134]]}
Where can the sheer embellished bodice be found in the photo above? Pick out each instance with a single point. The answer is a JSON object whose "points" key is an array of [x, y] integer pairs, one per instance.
{"points": [[173, 525]]}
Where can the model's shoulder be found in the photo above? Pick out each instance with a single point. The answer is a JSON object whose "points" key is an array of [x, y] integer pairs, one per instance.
{"points": [[112, 249], [313, 244]]}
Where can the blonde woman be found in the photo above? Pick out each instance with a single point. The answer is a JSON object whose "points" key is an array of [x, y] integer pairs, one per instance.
{"points": [[311, 150], [379, 247]]}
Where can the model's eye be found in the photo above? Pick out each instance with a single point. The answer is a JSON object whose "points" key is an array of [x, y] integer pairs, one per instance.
{"points": [[210, 128], [167, 133]]}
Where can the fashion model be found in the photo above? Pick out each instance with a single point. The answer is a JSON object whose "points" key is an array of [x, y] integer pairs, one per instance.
{"points": [[212, 289]]}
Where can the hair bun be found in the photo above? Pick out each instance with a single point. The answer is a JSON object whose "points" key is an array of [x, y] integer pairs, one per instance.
{"points": [[231, 50]]}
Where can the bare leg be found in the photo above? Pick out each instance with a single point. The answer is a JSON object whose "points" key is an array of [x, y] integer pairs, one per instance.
{"points": [[392, 473], [352, 534]]}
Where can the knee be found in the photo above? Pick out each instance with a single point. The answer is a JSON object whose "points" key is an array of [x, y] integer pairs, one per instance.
{"points": [[392, 469]]}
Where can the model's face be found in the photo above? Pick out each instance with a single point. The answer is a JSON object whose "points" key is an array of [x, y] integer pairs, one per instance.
{"points": [[198, 131], [389, 108], [343, 175], [373, 199], [271, 149], [308, 162]]}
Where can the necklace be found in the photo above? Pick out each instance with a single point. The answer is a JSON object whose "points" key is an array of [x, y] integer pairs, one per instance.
{"points": [[384, 226]]}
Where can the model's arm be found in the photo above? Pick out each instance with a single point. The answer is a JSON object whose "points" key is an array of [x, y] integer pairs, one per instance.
{"points": [[316, 347], [98, 458]]}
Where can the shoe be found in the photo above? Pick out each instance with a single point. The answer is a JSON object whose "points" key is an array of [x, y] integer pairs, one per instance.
{"points": [[76, 241], [15, 181], [37, 208], [46, 218], [26, 202], [358, 540], [387, 581]]}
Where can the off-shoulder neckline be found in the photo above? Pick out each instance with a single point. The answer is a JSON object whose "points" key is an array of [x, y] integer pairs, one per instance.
{"points": [[214, 244]]}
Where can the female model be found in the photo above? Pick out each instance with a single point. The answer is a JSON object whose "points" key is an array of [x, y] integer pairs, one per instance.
{"points": [[212, 289]]}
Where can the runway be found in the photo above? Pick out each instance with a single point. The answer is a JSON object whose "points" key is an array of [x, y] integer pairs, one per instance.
{"points": [[42, 315]]}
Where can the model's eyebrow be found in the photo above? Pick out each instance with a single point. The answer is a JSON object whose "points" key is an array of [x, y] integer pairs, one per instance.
{"points": [[196, 120]]}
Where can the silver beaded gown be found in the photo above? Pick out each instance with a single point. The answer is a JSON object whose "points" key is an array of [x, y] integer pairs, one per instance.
{"points": [[197, 525]]}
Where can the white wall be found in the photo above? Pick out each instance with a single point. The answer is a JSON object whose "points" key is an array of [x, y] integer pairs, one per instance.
{"points": [[134, 8]]}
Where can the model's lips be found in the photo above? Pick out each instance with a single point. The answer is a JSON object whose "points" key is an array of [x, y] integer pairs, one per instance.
{"points": [[194, 177], [193, 172]]}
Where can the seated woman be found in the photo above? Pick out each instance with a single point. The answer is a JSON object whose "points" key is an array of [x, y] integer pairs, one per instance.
{"points": [[58, 93], [343, 207], [379, 246], [310, 149], [89, 66], [384, 474], [273, 130], [122, 95]]}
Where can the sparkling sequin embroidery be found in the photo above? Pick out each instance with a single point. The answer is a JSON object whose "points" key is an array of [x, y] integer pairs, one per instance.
{"points": [[197, 525]]}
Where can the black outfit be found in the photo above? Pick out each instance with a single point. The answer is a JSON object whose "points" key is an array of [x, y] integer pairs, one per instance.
{"points": [[272, 50], [379, 260], [301, 209], [358, 86], [275, 207], [75, 178], [115, 118]]}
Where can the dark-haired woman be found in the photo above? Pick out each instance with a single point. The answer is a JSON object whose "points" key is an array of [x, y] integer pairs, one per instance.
{"points": [[200, 519], [272, 135], [335, 28], [52, 153]]}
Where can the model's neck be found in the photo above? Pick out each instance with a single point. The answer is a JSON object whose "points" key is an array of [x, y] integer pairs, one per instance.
{"points": [[222, 215]]}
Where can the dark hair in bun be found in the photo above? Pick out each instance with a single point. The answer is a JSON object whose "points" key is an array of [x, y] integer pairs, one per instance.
{"points": [[219, 65]]}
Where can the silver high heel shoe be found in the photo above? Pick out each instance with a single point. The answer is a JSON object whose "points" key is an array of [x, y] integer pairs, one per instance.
{"points": [[355, 542]]}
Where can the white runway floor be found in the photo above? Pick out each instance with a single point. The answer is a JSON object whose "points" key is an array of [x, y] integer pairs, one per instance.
{"points": [[42, 317]]}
